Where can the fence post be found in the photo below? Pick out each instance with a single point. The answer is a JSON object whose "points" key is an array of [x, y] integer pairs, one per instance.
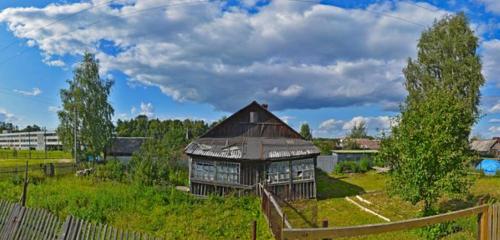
{"points": [[324, 224], [254, 230], [483, 224]]}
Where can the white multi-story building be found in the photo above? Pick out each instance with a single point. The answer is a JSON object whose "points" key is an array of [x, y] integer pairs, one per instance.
{"points": [[32, 140]]}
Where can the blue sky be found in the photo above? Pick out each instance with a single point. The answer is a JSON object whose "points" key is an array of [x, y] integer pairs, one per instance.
{"points": [[330, 65]]}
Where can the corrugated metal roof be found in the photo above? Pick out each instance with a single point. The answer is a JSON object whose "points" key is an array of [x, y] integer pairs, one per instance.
{"points": [[483, 145], [251, 148]]}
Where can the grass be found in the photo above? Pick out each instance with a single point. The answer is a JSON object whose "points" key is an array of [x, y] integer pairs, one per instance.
{"points": [[11, 159], [12, 163], [161, 211], [14, 154], [331, 204]]}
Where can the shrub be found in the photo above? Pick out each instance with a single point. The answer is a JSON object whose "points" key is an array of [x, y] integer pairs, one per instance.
{"points": [[353, 166], [112, 170], [364, 165]]}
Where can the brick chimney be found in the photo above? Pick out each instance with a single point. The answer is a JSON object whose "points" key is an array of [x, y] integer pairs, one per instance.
{"points": [[265, 106]]}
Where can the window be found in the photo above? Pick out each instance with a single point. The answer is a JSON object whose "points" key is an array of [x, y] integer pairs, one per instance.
{"points": [[303, 169], [225, 172], [279, 172], [228, 172], [203, 170]]}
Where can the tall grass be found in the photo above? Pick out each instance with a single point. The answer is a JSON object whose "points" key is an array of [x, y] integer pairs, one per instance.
{"points": [[159, 210]]}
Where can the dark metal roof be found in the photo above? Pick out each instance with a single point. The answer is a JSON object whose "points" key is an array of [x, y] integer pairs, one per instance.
{"points": [[125, 146], [238, 137]]}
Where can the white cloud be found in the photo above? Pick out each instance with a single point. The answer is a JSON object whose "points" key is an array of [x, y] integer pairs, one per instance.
{"points": [[147, 109], [289, 54], [495, 108], [286, 119], [331, 124], [34, 92], [54, 109], [491, 60], [336, 127], [291, 91], [494, 129], [133, 110], [55, 63], [494, 120], [6, 116], [491, 5], [373, 123]]}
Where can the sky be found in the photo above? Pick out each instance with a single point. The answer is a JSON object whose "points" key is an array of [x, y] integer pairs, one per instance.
{"points": [[327, 63]]}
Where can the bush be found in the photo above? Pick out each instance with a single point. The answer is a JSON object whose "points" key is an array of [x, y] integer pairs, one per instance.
{"points": [[440, 230], [353, 166], [365, 165], [112, 170]]}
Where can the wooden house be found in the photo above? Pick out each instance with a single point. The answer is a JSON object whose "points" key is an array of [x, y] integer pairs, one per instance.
{"points": [[252, 146], [487, 147]]}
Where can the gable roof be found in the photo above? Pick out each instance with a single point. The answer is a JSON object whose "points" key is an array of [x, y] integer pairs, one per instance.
{"points": [[125, 146], [483, 145], [239, 125], [265, 138]]}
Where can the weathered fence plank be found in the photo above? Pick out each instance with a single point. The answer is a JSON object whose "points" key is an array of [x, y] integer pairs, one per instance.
{"points": [[20, 223]]}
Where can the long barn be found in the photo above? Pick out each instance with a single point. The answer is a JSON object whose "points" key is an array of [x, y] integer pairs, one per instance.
{"points": [[253, 146]]}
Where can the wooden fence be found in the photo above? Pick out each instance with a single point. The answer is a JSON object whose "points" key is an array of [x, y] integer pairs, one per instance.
{"points": [[20, 223], [275, 216], [488, 225], [57, 169]]}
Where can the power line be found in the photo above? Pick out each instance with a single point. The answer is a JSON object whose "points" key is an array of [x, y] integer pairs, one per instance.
{"points": [[124, 15], [368, 10], [420, 6]]}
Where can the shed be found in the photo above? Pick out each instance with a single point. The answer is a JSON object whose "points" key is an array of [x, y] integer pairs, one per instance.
{"points": [[122, 148], [487, 147], [252, 146]]}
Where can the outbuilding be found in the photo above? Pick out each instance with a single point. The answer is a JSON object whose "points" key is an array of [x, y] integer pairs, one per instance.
{"points": [[252, 147]]}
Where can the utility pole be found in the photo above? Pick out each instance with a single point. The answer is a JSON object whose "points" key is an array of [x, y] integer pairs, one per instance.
{"points": [[75, 135], [45, 142], [29, 143], [25, 185]]}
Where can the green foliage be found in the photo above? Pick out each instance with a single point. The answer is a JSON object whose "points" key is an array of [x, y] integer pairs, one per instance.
{"points": [[160, 210], [350, 144], [365, 165], [359, 130], [141, 126], [305, 131], [352, 166], [112, 170], [325, 145], [429, 149], [86, 108], [159, 157]]}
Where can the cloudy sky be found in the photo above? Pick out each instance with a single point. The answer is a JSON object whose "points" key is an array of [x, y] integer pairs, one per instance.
{"points": [[330, 63]]}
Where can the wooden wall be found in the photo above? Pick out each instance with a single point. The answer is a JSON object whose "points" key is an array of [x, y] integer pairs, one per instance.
{"points": [[239, 125], [252, 173]]}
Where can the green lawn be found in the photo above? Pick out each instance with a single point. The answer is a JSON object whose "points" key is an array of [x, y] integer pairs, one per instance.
{"points": [[23, 154], [12, 159], [331, 204], [161, 211], [12, 163]]}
